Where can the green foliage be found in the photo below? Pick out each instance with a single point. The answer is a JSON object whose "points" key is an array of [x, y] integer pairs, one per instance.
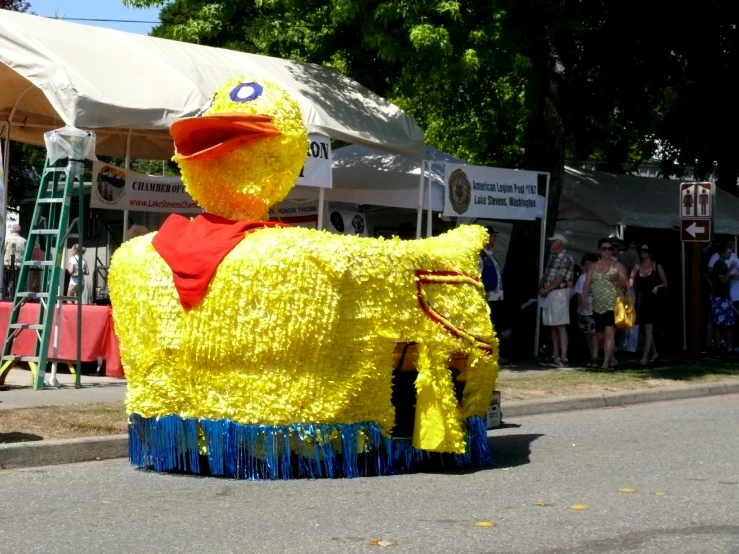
{"points": [[445, 62], [24, 174], [15, 5], [476, 74]]}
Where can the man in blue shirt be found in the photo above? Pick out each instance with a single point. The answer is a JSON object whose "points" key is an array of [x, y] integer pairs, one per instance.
{"points": [[492, 280]]}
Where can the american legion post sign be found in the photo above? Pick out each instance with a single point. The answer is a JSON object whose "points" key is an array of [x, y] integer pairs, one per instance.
{"points": [[114, 188], [489, 192]]}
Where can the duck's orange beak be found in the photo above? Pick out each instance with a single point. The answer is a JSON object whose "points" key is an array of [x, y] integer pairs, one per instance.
{"points": [[210, 136]]}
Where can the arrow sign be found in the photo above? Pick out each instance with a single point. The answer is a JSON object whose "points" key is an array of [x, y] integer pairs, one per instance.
{"points": [[696, 230]]}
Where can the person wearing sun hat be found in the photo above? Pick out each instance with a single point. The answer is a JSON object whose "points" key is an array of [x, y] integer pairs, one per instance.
{"points": [[554, 288]]}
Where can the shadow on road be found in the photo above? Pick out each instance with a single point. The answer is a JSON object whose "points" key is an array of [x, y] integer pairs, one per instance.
{"points": [[6, 438], [511, 450]]}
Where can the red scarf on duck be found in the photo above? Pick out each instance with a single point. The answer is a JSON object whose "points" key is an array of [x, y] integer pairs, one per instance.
{"points": [[194, 248]]}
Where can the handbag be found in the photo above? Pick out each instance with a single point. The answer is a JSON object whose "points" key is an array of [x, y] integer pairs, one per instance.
{"points": [[624, 312]]}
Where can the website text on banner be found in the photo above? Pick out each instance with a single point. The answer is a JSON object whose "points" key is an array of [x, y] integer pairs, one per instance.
{"points": [[114, 188], [490, 193]]}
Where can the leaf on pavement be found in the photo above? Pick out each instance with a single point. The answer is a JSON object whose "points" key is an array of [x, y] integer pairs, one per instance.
{"points": [[484, 523], [381, 542], [626, 490], [660, 493], [579, 507]]}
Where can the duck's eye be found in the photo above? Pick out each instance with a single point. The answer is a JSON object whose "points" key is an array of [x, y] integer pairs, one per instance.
{"points": [[245, 92], [207, 106]]}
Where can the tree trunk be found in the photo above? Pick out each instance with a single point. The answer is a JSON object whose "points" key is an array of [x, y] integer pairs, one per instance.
{"points": [[727, 143], [545, 153]]}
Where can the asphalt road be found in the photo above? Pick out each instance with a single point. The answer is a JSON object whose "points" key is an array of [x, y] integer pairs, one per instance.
{"points": [[688, 451]]}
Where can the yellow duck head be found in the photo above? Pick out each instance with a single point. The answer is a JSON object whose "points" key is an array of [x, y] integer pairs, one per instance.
{"points": [[243, 151]]}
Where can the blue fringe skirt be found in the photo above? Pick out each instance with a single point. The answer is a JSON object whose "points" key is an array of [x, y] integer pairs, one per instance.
{"points": [[229, 449]]}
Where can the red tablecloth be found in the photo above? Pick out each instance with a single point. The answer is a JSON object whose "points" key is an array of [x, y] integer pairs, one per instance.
{"points": [[98, 338]]}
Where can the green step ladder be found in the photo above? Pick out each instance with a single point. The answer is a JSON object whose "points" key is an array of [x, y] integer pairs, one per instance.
{"points": [[50, 227]]}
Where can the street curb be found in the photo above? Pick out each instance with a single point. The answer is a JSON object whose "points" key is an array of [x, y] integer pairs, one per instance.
{"points": [[62, 451], [86, 449], [611, 400]]}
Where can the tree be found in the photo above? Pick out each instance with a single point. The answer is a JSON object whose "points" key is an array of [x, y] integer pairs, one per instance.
{"points": [[15, 5], [701, 115], [427, 57], [486, 81]]}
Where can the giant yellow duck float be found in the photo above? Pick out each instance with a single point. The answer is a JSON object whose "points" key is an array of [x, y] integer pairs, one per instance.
{"points": [[254, 350]]}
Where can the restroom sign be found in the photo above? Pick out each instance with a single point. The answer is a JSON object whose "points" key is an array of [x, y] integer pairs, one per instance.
{"points": [[696, 200]]}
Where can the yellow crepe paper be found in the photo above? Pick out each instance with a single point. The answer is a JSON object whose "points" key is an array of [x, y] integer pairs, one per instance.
{"points": [[299, 326]]}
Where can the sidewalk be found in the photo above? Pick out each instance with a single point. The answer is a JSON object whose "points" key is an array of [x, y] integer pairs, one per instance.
{"points": [[18, 393]]}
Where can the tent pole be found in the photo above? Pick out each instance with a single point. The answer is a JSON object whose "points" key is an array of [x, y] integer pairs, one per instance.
{"points": [[321, 199], [5, 160], [685, 315], [542, 248], [429, 216], [127, 165], [419, 214], [4, 169]]}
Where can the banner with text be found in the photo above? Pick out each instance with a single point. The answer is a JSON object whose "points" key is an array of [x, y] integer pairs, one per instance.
{"points": [[114, 188], [489, 192], [296, 214], [317, 169]]}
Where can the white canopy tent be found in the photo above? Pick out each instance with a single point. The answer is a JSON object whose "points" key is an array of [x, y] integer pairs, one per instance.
{"points": [[636, 201], [365, 176], [119, 84], [595, 204], [129, 88]]}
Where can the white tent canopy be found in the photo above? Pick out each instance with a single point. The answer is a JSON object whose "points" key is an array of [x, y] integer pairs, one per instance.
{"points": [[54, 73], [365, 176], [635, 201]]}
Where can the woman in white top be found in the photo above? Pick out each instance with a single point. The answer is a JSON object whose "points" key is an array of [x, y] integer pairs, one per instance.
{"points": [[76, 272]]}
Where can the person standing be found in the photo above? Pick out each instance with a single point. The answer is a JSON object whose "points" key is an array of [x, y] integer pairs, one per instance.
{"points": [[15, 244], [585, 311], [721, 306], [630, 257], [554, 288], [649, 279], [628, 339], [492, 280], [75, 271], [605, 279], [732, 263]]}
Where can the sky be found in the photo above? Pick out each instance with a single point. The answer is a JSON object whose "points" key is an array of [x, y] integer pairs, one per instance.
{"points": [[98, 9]]}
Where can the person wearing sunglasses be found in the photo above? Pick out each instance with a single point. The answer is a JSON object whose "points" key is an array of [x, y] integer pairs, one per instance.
{"points": [[649, 279], [604, 281]]}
